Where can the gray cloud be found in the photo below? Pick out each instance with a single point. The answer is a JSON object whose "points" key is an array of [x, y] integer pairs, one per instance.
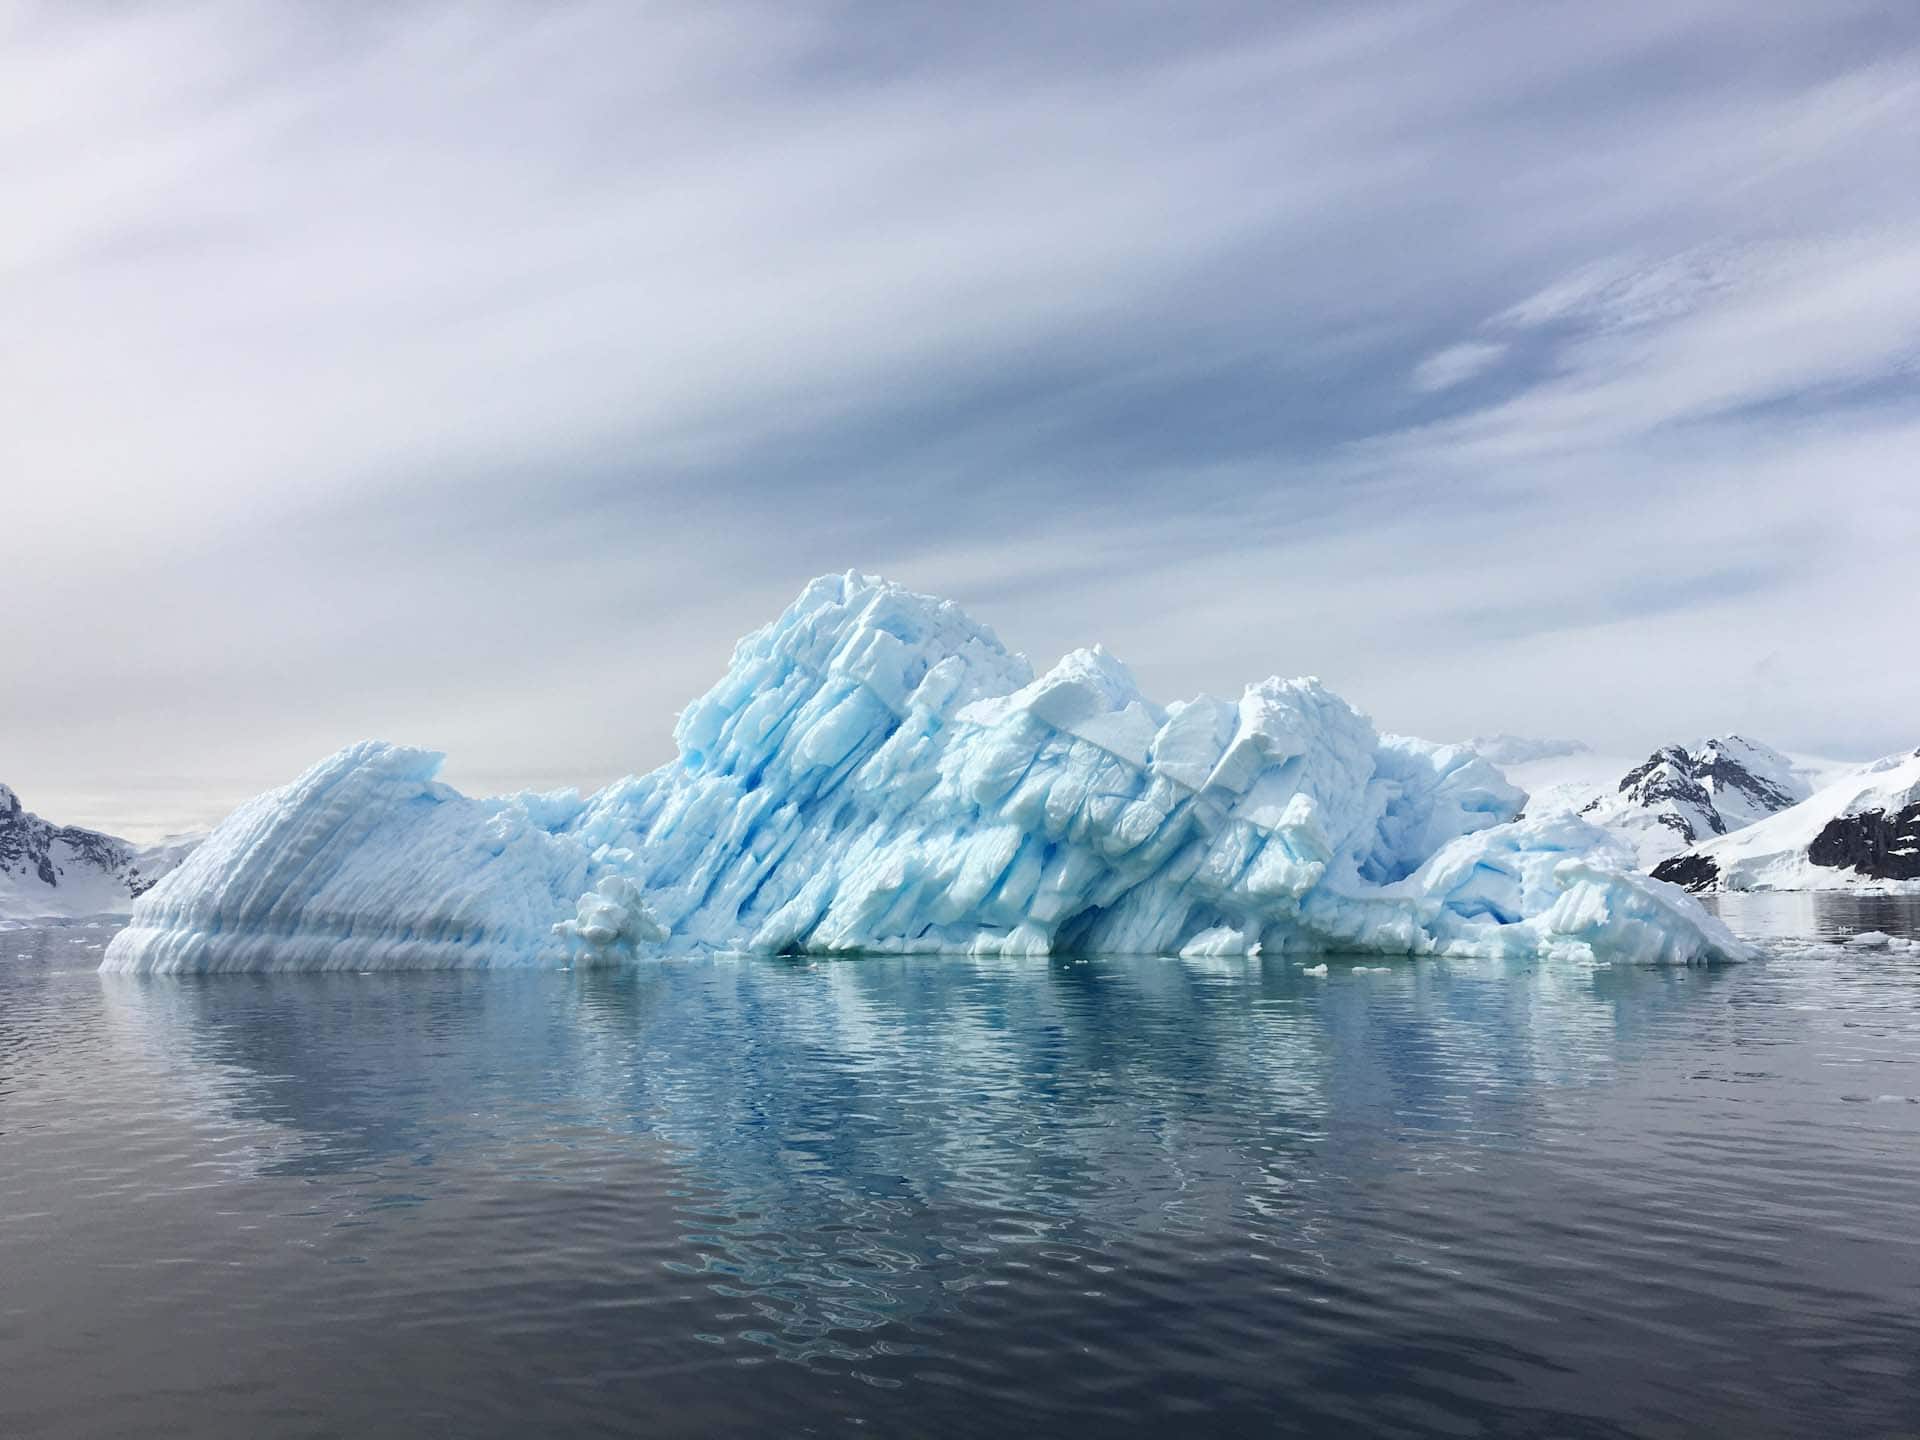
{"points": [[474, 374]]}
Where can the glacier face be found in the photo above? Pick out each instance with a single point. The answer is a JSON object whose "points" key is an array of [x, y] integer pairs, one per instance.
{"points": [[876, 772]]}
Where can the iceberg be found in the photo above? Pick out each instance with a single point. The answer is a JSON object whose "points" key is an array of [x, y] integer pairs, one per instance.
{"points": [[876, 772], [365, 862]]}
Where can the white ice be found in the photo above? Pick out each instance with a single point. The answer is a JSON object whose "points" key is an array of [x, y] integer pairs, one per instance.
{"points": [[877, 773]]}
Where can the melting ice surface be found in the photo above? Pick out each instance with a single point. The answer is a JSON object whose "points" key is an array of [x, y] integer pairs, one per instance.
{"points": [[876, 772]]}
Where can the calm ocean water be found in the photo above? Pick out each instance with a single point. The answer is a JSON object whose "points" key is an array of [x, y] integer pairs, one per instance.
{"points": [[1081, 1196]]}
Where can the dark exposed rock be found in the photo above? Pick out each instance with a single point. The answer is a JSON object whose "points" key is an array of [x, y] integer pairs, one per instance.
{"points": [[1877, 843], [1690, 872], [1719, 771], [52, 854], [1675, 821], [1667, 781], [1701, 791]]}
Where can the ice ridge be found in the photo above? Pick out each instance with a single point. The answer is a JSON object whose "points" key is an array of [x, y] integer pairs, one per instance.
{"points": [[875, 772]]}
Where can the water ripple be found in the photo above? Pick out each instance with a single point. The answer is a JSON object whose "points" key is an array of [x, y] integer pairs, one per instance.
{"points": [[1092, 1195]]}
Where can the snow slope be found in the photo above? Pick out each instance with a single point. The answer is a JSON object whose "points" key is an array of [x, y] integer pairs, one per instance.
{"points": [[1567, 783], [1683, 794], [1679, 795], [876, 772], [52, 871], [1860, 833]]}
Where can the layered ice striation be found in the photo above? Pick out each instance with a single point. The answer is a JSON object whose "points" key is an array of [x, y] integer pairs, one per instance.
{"points": [[366, 862], [876, 772]]}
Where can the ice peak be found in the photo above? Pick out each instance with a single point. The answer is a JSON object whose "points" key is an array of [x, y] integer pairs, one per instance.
{"points": [[850, 641]]}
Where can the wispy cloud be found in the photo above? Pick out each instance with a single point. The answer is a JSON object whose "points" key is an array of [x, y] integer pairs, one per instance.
{"points": [[1701, 336], [1456, 364], [475, 373]]}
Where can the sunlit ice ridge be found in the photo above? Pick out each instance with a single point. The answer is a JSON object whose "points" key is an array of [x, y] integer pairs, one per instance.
{"points": [[876, 772]]}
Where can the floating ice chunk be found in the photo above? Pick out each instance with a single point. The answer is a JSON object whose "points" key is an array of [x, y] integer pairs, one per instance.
{"points": [[1221, 940], [876, 773], [610, 921], [1313, 969], [1869, 940]]}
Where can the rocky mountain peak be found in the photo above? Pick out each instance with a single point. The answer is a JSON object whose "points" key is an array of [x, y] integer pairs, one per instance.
{"points": [[1683, 795], [51, 870]]}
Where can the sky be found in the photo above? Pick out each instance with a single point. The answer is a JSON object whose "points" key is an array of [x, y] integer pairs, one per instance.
{"points": [[474, 375]]}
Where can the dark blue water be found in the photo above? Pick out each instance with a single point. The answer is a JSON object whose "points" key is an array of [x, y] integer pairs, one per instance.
{"points": [[945, 1197]]}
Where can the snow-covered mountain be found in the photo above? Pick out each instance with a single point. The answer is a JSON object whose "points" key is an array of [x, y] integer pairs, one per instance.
{"points": [[1861, 832], [1678, 796], [50, 871], [1681, 795]]}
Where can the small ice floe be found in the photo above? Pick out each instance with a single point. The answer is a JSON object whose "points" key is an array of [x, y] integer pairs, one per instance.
{"points": [[613, 918], [1313, 969], [1371, 969], [1870, 940]]}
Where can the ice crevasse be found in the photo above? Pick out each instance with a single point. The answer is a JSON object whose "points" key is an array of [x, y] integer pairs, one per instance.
{"points": [[875, 772]]}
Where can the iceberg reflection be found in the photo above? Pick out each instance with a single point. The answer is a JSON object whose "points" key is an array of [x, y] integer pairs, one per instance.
{"points": [[851, 1144]]}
